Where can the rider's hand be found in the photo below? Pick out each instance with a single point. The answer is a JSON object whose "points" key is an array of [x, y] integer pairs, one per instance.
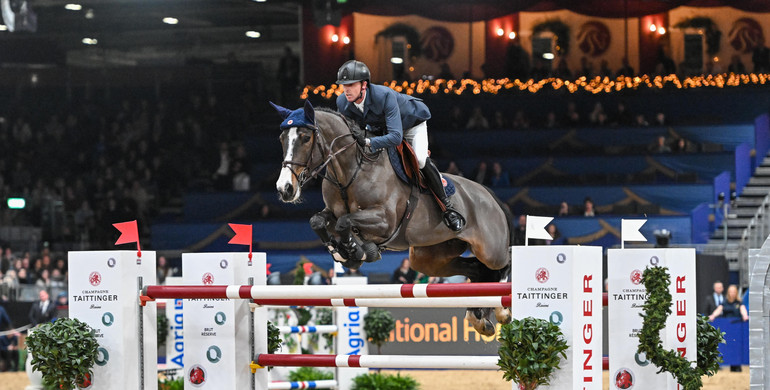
{"points": [[360, 139]]}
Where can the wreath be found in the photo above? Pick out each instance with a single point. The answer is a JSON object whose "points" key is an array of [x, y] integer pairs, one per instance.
{"points": [[710, 29], [558, 28], [403, 30], [656, 309]]}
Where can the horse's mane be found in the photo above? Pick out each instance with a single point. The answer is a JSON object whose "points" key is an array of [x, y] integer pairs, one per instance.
{"points": [[352, 125]]}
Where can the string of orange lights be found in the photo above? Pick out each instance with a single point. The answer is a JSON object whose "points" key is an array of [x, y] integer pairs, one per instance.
{"points": [[594, 85]]}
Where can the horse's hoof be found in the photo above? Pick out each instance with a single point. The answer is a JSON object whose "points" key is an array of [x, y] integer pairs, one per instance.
{"points": [[485, 328], [503, 315], [372, 252], [352, 264]]}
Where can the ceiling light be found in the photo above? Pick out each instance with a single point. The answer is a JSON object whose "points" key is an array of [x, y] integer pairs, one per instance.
{"points": [[661, 30], [396, 60], [511, 35], [335, 38], [346, 40], [253, 34], [89, 41], [500, 32], [169, 20], [3, 27], [260, 1], [548, 56], [653, 27], [73, 7]]}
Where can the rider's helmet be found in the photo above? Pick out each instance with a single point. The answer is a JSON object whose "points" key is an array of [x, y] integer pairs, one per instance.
{"points": [[353, 71]]}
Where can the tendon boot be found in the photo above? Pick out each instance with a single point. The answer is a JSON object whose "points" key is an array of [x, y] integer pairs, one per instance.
{"points": [[452, 218]]}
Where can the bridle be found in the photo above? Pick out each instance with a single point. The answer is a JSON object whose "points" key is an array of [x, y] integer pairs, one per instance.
{"points": [[361, 158]]}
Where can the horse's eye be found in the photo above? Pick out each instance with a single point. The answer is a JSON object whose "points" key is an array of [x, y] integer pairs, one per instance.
{"points": [[305, 138]]}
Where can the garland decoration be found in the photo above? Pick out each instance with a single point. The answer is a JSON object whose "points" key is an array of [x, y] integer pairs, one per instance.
{"points": [[558, 28], [710, 29], [403, 30], [656, 310]]}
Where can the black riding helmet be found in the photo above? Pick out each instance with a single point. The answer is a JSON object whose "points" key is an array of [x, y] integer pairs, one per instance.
{"points": [[353, 71]]}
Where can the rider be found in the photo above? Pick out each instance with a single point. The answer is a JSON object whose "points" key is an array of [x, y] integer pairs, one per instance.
{"points": [[397, 116]]}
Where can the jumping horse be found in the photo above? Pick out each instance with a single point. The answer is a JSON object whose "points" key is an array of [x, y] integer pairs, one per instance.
{"points": [[369, 209]]}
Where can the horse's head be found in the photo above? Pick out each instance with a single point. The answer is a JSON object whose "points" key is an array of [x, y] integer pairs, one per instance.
{"points": [[298, 139]]}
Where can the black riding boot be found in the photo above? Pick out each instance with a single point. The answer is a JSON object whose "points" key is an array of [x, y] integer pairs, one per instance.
{"points": [[453, 219]]}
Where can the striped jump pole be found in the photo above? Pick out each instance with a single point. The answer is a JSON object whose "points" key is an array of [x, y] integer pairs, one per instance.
{"points": [[322, 384], [150, 293], [378, 361], [393, 302], [308, 329]]}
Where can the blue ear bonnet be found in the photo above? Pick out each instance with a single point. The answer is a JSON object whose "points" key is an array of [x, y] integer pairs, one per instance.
{"points": [[301, 117], [297, 118]]}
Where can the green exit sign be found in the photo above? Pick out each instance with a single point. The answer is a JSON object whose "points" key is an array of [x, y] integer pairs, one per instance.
{"points": [[16, 203]]}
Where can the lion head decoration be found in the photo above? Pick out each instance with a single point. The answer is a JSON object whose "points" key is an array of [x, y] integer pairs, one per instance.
{"points": [[745, 35]]}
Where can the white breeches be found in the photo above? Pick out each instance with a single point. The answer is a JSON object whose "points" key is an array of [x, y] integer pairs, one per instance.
{"points": [[418, 137]]}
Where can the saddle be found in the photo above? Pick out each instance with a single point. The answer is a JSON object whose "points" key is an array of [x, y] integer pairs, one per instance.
{"points": [[405, 164]]}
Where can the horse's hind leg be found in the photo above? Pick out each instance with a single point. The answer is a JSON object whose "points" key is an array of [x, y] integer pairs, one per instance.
{"points": [[444, 260]]}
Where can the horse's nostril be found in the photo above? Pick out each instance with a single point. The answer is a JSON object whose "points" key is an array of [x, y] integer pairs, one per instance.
{"points": [[289, 189]]}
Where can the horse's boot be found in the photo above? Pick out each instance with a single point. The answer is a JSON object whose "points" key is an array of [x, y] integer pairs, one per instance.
{"points": [[452, 218]]}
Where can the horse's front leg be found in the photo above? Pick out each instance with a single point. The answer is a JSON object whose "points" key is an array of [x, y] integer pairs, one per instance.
{"points": [[373, 221], [321, 223]]}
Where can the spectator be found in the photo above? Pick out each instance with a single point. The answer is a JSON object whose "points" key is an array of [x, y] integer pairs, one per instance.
{"points": [[564, 209], [222, 175], [681, 145], [715, 299], [586, 67], [761, 59], [44, 280], [550, 121], [404, 274], [660, 120], [597, 116], [641, 121], [446, 72], [453, 169], [562, 70], [588, 207], [457, 118], [499, 177], [42, 310], [553, 231], [626, 69], [622, 116], [731, 307], [516, 61], [660, 145], [477, 120], [288, 75], [499, 121], [520, 231], [520, 121], [541, 70], [604, 69], [162, 270], [572, 117], [481, 174], [9, 351], [736, 65]]}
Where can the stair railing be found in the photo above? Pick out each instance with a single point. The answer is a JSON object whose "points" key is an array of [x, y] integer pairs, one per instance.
{"points": [[753, 236]]}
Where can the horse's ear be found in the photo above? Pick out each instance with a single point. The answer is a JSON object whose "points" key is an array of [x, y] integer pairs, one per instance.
{"points": [[283, 112], [309, 112]]}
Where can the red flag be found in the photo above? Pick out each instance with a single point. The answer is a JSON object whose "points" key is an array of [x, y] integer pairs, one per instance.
{"points": [[129, 232], [243, 235]]}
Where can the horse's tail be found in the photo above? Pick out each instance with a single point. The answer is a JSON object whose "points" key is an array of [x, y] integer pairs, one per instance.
{"points": [[506, 211]]}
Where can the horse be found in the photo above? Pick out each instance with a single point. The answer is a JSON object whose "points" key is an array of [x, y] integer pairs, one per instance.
{"points": [[368, 209]]}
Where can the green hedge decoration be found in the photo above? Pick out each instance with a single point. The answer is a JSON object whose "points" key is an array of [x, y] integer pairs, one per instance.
{"points": [[710, 29], [558, 28]]}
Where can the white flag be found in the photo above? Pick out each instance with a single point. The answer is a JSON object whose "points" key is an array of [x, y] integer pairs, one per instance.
{"points": [[536, 227], [629, 230]]}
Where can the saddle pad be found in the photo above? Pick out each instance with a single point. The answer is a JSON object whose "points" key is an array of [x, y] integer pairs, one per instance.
{"points": [[395, 161]]}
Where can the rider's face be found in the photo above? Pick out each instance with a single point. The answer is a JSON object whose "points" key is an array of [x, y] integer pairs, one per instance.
{"points": [[353, 91]]}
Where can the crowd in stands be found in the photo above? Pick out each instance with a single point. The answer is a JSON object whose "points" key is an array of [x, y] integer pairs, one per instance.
{"points": [[598, 117]]}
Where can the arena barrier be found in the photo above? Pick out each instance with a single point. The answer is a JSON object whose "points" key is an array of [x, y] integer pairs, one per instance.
{"points": [[560, 283]]}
